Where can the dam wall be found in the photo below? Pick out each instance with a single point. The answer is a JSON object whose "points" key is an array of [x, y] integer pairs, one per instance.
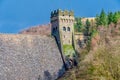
{"points": [[29, 57]]}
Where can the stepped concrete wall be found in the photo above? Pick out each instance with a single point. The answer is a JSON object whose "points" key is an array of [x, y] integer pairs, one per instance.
{"points": [[29, 57]]}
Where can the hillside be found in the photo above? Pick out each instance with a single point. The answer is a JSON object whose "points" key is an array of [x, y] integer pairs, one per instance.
{"points": [[29, 57], [100, 59], [38, 30], [102, 62]]}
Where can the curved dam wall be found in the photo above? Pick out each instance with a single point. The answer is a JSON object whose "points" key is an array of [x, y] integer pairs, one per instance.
{"points": [[29, 57]]}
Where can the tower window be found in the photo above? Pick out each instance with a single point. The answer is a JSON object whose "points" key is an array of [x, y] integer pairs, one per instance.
{"points": [[64, 28], [56, 27], [68, 28], [53, 29]]}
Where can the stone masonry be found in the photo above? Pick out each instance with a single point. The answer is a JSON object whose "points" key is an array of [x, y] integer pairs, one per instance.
{"points": [[29, 57], [62, 27]]}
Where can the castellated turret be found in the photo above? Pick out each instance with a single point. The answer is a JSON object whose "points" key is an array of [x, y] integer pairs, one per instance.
{"points": [[61, 13], [62, 23]]}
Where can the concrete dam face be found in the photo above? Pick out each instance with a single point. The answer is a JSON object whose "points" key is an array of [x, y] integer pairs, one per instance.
{"points": [[29, 57]]}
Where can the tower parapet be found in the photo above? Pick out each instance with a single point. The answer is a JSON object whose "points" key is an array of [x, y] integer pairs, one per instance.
{"points": [[60, 12]]}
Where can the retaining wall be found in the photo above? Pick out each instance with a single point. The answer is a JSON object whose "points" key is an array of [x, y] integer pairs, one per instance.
{"points": [[29, 57]]}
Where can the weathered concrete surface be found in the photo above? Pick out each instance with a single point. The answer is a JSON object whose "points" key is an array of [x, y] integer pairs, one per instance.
{"points": [[29, 57]]}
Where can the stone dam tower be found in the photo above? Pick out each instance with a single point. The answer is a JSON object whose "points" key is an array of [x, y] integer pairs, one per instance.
{"points": [[62, 23]]}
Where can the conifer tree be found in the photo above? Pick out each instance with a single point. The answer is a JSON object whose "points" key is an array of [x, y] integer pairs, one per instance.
{"points": [[97, 20], [87, 27], [87, 23], [103, 18], [78, 25], [110, 17], [116, 17]]}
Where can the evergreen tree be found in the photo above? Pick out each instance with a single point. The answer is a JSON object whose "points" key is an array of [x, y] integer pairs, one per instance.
{"points": [[87, 23], [110, 17], [116, 17], [97, 20], [78, 25], [87, 27], [103, 18]]}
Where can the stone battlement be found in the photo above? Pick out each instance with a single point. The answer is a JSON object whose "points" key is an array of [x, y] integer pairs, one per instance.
{"points": [[59, 12]]}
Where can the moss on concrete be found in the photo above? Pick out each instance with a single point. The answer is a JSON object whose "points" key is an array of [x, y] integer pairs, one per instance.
{"points": [[68, 50]]}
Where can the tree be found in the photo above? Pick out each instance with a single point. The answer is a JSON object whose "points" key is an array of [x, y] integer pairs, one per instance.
{"points": [[78, 26], [87, 27], [110, 17], [103, 18], [87, 23], [116, 17], [97, 20]]}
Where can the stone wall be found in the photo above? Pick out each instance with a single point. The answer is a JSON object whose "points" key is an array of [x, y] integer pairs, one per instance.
{"points": [[91, 19], [66, 35], [29, 57]]}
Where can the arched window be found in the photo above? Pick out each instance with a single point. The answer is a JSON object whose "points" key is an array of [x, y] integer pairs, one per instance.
{"points": [[64, 28], [68, 28], [53, 29], [56, 28]]}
